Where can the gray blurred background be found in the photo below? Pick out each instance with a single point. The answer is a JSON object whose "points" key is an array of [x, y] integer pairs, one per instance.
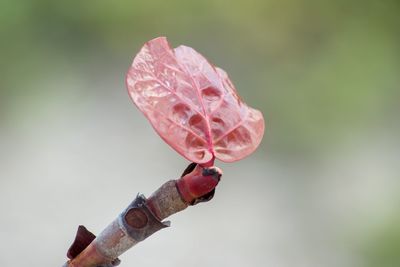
{"points": [[323, 189]]}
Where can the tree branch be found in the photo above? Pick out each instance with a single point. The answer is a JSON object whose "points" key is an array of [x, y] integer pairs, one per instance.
{"points": [[142, 218]]}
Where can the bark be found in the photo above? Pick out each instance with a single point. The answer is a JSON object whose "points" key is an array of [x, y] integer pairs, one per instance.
{"points": [[142, 218]]}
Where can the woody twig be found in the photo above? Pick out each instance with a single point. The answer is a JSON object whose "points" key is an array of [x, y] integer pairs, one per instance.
{"points": [[142, 218]]}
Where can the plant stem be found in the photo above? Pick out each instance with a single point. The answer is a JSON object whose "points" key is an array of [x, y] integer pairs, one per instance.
{"points": [[142, 218]]}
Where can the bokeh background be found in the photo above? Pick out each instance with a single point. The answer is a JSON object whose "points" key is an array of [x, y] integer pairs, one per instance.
{"points": [[323, 189]]}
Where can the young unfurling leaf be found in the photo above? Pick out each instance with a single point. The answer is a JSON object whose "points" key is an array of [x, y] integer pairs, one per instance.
{"points": [[192, 104]]}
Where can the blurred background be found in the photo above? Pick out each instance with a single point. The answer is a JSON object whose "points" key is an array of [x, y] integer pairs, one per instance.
{"points": [[323, 189]]}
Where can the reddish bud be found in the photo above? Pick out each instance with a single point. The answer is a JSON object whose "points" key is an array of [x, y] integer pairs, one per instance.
{"points": [[198, 183]]}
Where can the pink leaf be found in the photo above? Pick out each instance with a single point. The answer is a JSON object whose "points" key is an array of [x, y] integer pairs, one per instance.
{"points": [[192, 104]]}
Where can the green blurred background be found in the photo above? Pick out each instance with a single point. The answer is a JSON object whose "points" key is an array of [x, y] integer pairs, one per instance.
{"points": [[323, 189]]}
